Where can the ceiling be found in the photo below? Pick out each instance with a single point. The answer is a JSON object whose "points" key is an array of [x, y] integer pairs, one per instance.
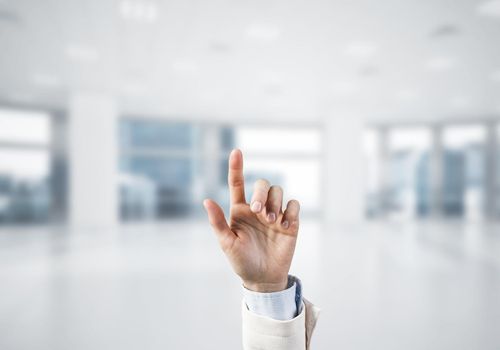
{"points": [[294, 59]]}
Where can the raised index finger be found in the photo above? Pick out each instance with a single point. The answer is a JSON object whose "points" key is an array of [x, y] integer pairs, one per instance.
{"points": [[235, 177]]}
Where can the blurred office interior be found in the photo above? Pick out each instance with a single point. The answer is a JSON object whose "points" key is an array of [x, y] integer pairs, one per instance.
{"points": [[116, 121]]}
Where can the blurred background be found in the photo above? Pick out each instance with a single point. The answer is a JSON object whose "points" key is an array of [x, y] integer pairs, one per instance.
{"points": [[116, 121]]}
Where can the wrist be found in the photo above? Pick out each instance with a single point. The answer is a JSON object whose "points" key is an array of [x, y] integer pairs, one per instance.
{"points": [[266, 287]]}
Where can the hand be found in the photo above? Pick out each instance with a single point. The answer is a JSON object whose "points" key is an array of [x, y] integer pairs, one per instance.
{"points": [[259, 240]]}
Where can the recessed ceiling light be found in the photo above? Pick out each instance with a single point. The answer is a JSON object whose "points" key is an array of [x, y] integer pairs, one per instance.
{"points": [[143, 11], [220, 47], [440, 64], [445, 30], [489, 8], [82, 53], [368, 71], [271, 82], [46, 80], [361, 49], [263, 32]]}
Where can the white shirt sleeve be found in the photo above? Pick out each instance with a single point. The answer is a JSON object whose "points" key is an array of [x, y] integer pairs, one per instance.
{"points": [[282, 306]]}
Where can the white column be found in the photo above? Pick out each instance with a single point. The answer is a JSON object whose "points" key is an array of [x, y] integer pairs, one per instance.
{"points": [[436, 171], [344, 170], [491, 163], [93, 161], [384, 175]]}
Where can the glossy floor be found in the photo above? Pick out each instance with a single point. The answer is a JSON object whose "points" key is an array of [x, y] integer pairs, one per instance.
{"points": [[380, 286]]}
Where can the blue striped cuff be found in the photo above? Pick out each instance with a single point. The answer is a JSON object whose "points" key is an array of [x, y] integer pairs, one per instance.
{"points": [[283, 305]]}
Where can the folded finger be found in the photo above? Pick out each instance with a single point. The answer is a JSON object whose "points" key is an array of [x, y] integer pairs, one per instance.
{"points": [[291, 215], [274, 203], [259, 197]]}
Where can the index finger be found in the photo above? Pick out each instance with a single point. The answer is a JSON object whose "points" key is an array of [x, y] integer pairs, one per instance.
{"points": [[235, 177]]}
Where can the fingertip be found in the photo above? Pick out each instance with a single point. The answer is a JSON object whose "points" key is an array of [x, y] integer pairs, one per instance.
{"points": [[291, 214], [210, 205], [271, 218], [236, 158], [214, 211], [206, 203], [256, 207], [235, 152]]}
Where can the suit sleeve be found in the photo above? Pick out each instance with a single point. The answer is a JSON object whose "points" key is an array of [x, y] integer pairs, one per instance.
{"points": [[263, 333]]}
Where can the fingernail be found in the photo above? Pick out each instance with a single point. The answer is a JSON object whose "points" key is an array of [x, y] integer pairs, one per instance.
{"points": [[271, 217], [256, 206], [285, 224]]}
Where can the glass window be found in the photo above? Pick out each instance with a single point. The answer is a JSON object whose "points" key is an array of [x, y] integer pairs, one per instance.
{"points": [[268, 140], [289, 157], [227, 139], [300, 179], [155, 134], [156, 187], [463, 173], [167, 168], [24, 127], [459, 137], [156, 169], [408, 171], [411, 138], [25, 166]]}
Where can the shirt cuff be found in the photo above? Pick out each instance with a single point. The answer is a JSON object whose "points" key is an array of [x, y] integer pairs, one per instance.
{"points": [[283, 305]]}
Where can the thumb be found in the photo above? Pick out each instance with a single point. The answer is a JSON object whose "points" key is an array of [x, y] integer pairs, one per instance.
{"points": [[216, 218]]}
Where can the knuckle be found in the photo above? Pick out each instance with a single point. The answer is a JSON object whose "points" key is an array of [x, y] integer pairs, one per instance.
{"points": [[236, 182], [262, 184], [275, 204]]}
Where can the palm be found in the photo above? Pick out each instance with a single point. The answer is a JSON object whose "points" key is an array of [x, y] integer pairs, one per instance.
{"points": [[260, 248]]}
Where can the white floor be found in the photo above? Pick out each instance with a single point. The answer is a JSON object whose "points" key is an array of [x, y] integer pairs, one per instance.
{"points": [[380, 286]]}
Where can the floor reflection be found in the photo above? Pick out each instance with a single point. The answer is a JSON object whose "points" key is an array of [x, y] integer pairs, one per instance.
{"points": [[167, 286]]}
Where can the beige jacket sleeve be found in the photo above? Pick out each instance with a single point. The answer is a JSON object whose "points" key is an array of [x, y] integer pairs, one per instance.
{"points": [[263, 333]]}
